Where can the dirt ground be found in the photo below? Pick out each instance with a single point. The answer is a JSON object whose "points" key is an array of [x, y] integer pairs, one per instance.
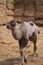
{"points": [[9, 49]]}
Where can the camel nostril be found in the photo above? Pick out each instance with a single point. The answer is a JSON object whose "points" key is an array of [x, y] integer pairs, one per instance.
{"points": [[7, 26]]}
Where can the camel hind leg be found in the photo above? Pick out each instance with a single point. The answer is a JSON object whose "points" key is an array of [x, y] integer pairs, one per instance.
{"points": [[35, 44], [22, 43]]}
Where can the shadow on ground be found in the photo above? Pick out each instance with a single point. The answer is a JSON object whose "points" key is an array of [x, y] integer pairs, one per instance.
{"points": [[11, 61]]}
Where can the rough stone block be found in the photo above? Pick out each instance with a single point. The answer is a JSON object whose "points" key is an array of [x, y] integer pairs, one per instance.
{"points": [[39, 2], [29, 2], [9, 13], [3, 1], [10, 6], [20, 19], [39, 8], [27, 19], [29, 10], [29, 13], [39, 15], [18, 1], [19, 10], [5, 19]]}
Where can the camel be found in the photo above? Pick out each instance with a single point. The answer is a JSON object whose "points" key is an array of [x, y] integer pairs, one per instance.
{"points": [[27, 31]]}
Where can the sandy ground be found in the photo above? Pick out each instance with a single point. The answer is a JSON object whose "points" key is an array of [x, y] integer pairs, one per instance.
{"points": [[9, 49]]}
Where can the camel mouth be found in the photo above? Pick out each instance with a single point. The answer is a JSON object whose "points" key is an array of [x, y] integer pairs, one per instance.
{"points": [[7, 26]]}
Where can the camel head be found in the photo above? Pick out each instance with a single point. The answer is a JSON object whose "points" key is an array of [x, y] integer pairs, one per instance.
{"points": [[11, 24]]}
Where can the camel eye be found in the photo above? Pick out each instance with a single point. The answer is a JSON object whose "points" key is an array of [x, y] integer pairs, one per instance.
{"points": [[13, 24]]}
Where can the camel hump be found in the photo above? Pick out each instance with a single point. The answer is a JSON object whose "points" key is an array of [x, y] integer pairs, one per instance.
{"points": [[31, 23]]}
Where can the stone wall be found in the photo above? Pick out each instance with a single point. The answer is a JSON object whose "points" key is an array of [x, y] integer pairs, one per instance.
{"points": [[20, 10], [6, 11]]}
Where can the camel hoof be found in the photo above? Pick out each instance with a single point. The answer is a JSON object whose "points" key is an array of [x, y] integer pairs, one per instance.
{"points": [[25, 60]]}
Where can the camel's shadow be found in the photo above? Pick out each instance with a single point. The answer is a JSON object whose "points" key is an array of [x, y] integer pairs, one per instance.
{"points": [[11, 61], [14, 61]]}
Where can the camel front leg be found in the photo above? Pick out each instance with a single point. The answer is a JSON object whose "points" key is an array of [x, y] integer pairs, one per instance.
{"points": [[22, 56]]}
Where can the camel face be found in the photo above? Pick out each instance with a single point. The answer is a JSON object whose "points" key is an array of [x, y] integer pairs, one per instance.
{"points": [[11, 24]]}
